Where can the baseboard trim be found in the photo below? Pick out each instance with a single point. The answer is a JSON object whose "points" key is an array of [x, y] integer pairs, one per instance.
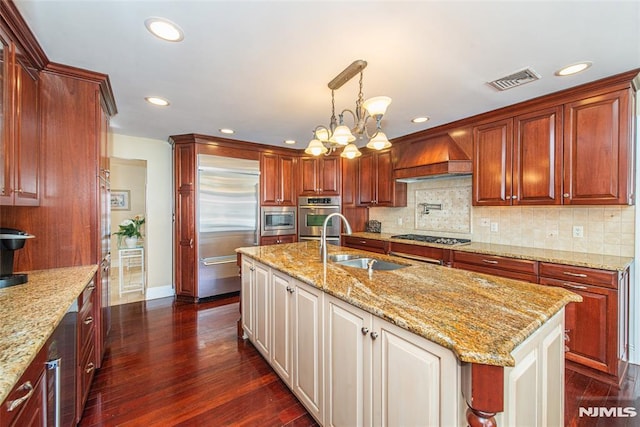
{"points": [[159, 292]]}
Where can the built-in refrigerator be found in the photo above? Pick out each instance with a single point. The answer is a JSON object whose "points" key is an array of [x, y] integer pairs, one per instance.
{"points": [[227, 212]]}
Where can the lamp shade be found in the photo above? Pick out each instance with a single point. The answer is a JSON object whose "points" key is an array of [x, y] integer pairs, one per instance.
{"points": [[315, 148], [377, 105], [321, 133], [342, 135], [379, 141], [351, 152]]}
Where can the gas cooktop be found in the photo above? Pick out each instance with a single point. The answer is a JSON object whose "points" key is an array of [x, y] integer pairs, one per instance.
{"points": [[432, 239]]}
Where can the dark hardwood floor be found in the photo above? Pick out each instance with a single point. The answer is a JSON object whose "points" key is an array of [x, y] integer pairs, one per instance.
{"points": [[180, 364]]}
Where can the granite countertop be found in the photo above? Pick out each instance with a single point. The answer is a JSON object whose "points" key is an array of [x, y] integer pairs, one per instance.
{"points": [[30, 313], [481, 318], [579, 259]]}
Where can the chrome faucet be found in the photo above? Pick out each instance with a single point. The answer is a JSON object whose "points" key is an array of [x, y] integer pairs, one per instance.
{"points": [[323, 236]]}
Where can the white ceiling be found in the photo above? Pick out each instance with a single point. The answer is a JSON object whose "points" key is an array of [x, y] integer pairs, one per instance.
{"points": [[262, 67]]}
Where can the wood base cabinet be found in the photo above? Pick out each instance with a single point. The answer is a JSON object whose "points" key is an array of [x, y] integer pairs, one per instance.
{"points": [[26, 403], [379, 374], [597, 329]]}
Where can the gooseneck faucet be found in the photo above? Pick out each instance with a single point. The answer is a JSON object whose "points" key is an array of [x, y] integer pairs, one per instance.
{"points": [[323, 236]]}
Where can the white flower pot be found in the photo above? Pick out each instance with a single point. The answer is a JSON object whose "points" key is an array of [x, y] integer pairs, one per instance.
{"points": [[131, 242]]}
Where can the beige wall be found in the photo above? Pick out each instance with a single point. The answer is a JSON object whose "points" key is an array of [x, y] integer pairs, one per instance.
{"points": [[158, 225], [608, 230]]}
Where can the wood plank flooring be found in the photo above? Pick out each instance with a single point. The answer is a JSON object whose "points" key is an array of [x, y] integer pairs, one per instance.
{"points": [[180, 364]]}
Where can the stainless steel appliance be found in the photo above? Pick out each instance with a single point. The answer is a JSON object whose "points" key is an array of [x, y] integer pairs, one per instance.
{"points": [[228, 207], [277, 220], [10, 241], [61, 371], [312, 211], [432, 239]]}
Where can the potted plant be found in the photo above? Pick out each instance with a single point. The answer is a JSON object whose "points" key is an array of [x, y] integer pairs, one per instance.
{"points": [[129, 230]]}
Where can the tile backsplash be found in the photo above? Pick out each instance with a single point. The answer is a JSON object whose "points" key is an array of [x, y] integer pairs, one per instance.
{"points": [[606, 230]]}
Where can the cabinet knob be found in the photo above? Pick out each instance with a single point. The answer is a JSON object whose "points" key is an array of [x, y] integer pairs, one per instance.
{"points": [[514, 197], [364, 330], [565, 195], [374, 335]]}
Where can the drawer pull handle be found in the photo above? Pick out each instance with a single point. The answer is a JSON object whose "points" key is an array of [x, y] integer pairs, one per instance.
{"points": [[575, 286], [88, 320], [90, 367], [574, 274], [13, 404], [91, 287], [489, 261]]}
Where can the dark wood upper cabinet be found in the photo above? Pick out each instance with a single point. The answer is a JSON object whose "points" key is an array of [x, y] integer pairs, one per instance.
{"points": [[376, 184], [278, 180], [492, 163], [320, 175], [20, 141], [598, 152]]}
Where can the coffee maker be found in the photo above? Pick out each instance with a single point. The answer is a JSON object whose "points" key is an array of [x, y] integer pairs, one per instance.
{"points": [[11, 240]]}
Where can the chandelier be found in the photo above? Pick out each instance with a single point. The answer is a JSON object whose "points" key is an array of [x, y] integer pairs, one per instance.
{"points": [[327, 139]]}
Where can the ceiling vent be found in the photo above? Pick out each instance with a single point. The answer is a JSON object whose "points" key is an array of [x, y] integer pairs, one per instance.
{"points": [[518, 78]]}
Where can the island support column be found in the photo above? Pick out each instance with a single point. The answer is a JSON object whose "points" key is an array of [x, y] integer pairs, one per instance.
{"points": [[483, 390]]}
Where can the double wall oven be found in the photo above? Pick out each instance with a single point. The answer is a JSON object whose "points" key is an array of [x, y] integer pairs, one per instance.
{"points": [[312, 211]]}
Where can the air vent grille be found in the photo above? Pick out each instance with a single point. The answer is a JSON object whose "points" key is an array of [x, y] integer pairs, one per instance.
{"points": [[516, 79]]}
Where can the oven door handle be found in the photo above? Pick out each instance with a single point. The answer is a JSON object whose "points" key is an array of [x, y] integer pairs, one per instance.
{"points": [[319, 207]]}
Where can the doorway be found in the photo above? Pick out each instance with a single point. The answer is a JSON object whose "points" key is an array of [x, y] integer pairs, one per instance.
{"points": [[128, 259]]}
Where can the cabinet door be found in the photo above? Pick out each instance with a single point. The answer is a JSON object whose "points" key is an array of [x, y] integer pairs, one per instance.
{"points": [[349, 183], [34, 412], [329, 176], [591, 325], [597, 150], [269, 179], [262, 323], [288, 183], [308, 175], [366, 180], [492, 145], [247, 296], [537, 158], [347, 365], [282, 290], [414, 380], [385, 182], [6, 147], [307, 348], [26, 138], [185, 250]]}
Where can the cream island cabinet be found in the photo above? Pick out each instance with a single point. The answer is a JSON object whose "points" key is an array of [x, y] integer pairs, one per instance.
{"points": [[421, 345]]}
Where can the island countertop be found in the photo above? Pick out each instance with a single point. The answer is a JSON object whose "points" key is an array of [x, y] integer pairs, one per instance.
{"points": [[481, 318], [30, 313], [579, 259]]}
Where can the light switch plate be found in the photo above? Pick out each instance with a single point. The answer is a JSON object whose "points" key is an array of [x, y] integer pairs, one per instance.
{"points": [[494, 227], [578, 231]]}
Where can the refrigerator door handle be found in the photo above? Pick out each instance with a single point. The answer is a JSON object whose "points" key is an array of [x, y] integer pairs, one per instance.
{"points": [[217, 260]]}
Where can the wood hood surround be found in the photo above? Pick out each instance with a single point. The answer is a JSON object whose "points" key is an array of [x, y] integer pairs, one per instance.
{"points": [[421, 156]]}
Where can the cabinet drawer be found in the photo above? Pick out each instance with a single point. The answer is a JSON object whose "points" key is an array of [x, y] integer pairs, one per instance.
{"points": [[87, 369], [497, 262], [587, 275], [431, 255], [86, 320], [496, 272], [27, 385], [371, 245]]}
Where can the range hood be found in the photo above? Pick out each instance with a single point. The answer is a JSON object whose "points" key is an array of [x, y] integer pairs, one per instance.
{"points": [[436, 156]]}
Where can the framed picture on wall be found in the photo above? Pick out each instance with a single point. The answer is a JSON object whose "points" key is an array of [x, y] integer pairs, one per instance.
{"points": [[121, 200]]}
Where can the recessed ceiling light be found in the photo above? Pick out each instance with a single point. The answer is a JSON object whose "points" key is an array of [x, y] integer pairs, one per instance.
{"points": [[420, 119], [289, 141], [156, 100], [227, 131], [573, 68], [164, 29]]}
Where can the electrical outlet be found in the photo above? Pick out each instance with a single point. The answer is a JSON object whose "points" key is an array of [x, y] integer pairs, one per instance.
{"points": [[399, 220], [578, 231], [484, 222], [494, 227]]}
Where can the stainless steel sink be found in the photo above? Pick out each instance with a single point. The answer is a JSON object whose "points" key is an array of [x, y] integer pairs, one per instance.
{"points": [[342, 257], [376, 265]]}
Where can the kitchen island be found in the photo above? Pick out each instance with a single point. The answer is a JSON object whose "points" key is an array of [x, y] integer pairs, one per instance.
{"points": [[482, 331]]}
